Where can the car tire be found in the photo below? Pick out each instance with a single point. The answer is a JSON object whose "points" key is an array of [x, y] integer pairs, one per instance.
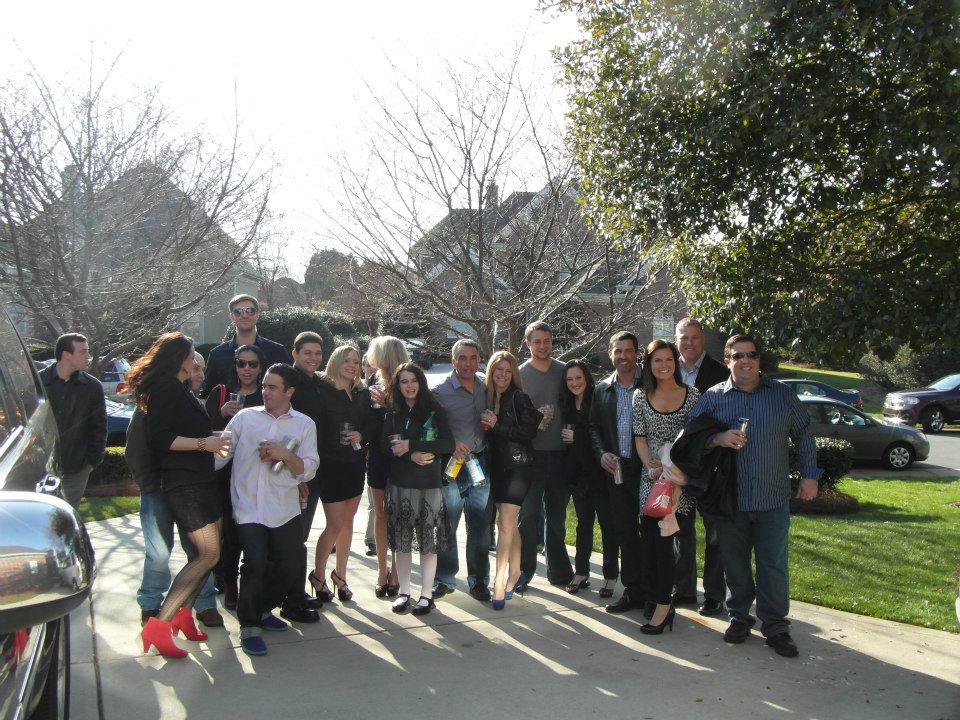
{"points": [[55, 698], [933, 419], [898, 456]]}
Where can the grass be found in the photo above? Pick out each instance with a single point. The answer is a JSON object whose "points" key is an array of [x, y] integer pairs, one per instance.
{"points": [[896, 559], [104, 508]]}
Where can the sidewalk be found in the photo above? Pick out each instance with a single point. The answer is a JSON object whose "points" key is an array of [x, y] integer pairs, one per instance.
{"points": [[548, 655]]}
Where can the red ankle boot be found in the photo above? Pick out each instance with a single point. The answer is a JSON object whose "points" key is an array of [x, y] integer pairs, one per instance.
{"points": [[183, 621], [160, 634]]}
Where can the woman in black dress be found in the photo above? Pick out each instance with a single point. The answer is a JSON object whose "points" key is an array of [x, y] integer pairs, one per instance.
{"points": [[243, 379], [348, 423], [181, 444], [416, 433], [586, 480], [512, 421]]}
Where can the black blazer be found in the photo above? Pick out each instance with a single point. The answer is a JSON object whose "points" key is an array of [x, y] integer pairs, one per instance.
{"points": [[603, 418], [517, 423], [173, 411], [335, 408], [711, 372]]}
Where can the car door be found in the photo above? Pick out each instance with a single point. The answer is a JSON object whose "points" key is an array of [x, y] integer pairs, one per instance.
{"points": [[867, 438]]}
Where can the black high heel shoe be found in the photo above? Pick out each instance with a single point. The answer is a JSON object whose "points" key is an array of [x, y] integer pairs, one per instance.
{"points": [[343, 591], [319, 587], [651, 629]]}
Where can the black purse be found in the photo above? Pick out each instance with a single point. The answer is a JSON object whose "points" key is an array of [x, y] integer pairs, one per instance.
{"points": [[518, 453]]}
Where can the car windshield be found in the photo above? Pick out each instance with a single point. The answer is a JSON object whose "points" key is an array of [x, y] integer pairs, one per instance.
{"points": [[946, 383]]}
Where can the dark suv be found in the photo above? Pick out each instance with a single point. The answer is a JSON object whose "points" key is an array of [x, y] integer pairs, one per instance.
{"points": [[933, 406], [46, 560]]}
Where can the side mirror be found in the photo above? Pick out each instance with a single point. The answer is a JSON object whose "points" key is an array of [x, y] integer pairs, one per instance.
{"points": [[46, 560]]}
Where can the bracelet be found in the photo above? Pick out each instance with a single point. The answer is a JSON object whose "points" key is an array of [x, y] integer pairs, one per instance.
{"points": [[201, 444]]}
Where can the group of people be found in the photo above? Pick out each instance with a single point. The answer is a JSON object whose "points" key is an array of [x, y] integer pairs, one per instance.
{"points": [[241, 473]]}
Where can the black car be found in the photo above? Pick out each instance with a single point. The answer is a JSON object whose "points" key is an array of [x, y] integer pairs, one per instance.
{"points": [[933, 406], [46, 559]]}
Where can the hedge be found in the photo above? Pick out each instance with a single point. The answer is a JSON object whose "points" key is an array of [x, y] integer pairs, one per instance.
{"points": [[112, 476], [834, 457]]}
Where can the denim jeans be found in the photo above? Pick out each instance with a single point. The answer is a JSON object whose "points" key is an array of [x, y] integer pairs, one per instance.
{"points": [[462, 497], [592, 504], [157, 524], [764, 534], [550, 493]]}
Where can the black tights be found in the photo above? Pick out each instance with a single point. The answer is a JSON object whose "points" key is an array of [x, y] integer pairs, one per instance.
{"points": [[186, 585]]}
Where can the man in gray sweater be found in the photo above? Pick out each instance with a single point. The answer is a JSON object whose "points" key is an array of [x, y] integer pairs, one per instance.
{"points": [[542, 377]]}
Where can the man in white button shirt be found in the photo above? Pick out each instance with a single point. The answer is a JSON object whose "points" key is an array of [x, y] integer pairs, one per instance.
{"points": [[266, 504]]}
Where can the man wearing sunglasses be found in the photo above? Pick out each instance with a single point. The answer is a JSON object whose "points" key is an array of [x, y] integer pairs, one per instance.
{"points": [[244, 311], [763, 416]]}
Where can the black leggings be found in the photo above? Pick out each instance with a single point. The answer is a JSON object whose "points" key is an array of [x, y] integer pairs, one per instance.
{"points": [[657, 562]]}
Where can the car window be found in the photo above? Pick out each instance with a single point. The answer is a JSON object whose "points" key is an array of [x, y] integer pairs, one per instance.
{"points": [[841, 415], [808, 389], [18, 384], [813, 410]]}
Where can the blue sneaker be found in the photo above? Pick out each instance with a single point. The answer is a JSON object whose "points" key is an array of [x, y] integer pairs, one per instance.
{"points": [[271, 623], [253, 646]]}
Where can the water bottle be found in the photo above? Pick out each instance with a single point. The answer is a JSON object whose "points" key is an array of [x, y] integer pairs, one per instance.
{"points": [[476, 472]]}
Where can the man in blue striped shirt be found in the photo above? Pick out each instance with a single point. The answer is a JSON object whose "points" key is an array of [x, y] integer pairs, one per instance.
{"points": [[761, 525]]}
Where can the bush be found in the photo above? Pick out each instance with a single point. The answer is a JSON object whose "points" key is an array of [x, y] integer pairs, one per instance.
{"points": [[337, 322], [834, 457], [284, 324], [112, 476], [910, 368]]}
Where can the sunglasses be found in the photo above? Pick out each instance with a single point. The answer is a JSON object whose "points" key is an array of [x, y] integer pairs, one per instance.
{"points": [[252, 364], [752, 355], [244, 311]]}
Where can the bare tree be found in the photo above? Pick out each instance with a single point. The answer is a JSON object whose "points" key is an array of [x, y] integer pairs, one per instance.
{"points": [[436, 238], [112, 224]]}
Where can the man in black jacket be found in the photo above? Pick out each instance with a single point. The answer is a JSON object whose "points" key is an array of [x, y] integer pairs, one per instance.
{"points": [[611, 434], [703, 372], [80, 409]]}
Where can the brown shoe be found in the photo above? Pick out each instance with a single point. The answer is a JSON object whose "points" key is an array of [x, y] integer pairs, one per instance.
{"points": [[210, 618], [147, 614]]}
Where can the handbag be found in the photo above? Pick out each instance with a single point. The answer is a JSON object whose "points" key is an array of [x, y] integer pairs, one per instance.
{"points": [[518, 453], [660, 500]]}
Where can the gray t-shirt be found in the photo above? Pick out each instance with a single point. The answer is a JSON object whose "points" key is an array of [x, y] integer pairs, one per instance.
{"points": [[544, 389]]}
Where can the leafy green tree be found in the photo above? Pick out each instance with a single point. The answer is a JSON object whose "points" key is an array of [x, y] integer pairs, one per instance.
{"points": [[795, 164]]}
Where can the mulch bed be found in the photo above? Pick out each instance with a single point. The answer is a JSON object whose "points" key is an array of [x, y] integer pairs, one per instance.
{"points": [[126, 488], [828, 502]]}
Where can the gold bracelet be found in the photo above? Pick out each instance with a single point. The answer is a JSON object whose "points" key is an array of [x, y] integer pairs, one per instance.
{"points": [[201, 444]]}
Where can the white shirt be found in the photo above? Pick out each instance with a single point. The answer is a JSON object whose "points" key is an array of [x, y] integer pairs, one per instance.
{"points": [[259, 495], [690, 376]]}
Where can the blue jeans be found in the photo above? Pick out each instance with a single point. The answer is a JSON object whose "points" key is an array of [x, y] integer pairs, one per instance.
{"points": [[462, 497], [157, 524], [764, 534]]}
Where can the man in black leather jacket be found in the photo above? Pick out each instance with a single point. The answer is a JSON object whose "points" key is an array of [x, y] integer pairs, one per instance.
{"points": [[611, 434], [80, 409]]}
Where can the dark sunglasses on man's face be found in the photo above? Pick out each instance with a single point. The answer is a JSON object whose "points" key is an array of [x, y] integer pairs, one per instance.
{"points": [[753, 355], [244, 311], [253, 364]]}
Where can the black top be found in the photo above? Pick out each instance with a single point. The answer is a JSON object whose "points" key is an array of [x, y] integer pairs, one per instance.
{"points": [[336, 408], [173, 411], [581, 461], [79, 407], [220, 357], [603, 418], [404, 472], [213, 405], [711, 372], [517, 422]]}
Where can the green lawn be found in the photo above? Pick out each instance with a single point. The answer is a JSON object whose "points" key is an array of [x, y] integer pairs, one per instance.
{"points": [[895, 559], [104, 508]]}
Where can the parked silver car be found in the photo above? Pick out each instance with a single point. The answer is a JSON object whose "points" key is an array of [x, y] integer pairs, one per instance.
{"points": [[46, 559], [893, 444]]}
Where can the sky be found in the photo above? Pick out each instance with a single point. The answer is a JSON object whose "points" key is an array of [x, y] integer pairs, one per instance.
{"points": [[295, 76]]}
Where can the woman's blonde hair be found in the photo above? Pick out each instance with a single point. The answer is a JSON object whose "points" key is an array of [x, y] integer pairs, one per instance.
{"points": [[337, 358], [386, 353], [498, 357]]}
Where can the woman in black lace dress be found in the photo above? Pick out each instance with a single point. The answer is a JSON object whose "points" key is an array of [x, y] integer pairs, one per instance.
{"points": [[415, 434]]}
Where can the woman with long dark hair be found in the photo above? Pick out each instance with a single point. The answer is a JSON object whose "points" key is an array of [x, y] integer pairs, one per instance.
{"points": [[348, 423], [513, 422], [660, 410], [586, 480], [182, 445], [416, 434], [244, 379]]}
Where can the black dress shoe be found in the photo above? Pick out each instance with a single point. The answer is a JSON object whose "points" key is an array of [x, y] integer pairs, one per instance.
{"points": [[312, 603], [480, 592], [440, 590], [783, 645], [736, 632], [622, 605], [299, 614], [371, 550], [679, 599], [711, 608]]}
